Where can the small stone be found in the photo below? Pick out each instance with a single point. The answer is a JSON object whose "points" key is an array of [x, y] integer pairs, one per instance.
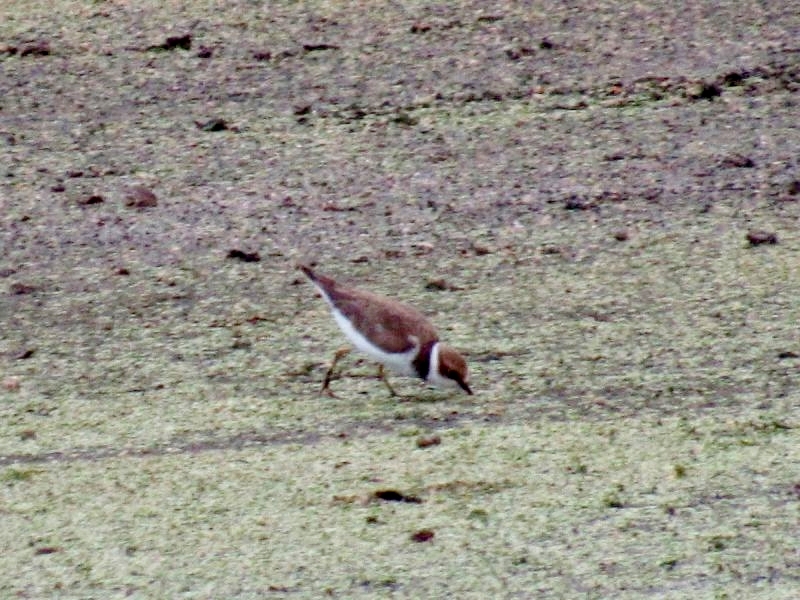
{"points": [[553, 249], [423, 248]]}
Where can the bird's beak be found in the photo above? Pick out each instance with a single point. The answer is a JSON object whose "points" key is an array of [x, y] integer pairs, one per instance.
{"points": [[463, 385]]}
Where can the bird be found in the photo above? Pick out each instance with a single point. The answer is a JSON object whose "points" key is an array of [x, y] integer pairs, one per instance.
{"points": [[393, 334]]}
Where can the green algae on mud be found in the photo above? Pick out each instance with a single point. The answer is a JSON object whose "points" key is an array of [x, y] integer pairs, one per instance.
{"points": [[510, 511]]}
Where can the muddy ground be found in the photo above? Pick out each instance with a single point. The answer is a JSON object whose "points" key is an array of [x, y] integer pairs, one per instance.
{"points": [[597, 202]]}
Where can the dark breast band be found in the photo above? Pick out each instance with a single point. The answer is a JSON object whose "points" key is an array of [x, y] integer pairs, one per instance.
{"points": [[422, 364]]}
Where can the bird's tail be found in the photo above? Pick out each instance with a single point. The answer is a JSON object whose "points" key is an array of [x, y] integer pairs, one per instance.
{"points": [[309, 272]]}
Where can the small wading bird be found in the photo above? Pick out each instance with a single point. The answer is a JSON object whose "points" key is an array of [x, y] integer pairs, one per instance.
{"points": [[391, 333]]}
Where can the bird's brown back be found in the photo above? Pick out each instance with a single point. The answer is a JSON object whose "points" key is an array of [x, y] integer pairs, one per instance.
{"points": [[385, 321]]}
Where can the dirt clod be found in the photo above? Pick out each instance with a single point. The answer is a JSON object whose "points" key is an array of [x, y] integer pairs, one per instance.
{"points": [[140, 197], [215, 124], [757, 237], [423, 535], [313, 47], [517, 53], [243, 256], [21, 289], [25, 354], [173, 42], [426, 441], [734, 78], [738, 161], [577, 203], [438, 285], [480, 249], [92, 199], [39, 48], [395, 496], [11, 384]]}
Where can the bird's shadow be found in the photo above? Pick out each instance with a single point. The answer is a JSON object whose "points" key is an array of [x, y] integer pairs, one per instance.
{"points": [[428, 396]]}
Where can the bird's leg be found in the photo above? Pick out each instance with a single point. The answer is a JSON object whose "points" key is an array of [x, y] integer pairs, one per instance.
{"points": [[382, 377], [340, 353]]}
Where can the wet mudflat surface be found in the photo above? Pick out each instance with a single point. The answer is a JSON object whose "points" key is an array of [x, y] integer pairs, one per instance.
{"points": [[597, 204]]}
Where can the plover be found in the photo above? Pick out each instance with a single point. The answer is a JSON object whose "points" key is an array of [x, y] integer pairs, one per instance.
{"points": [[395, 335]]}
